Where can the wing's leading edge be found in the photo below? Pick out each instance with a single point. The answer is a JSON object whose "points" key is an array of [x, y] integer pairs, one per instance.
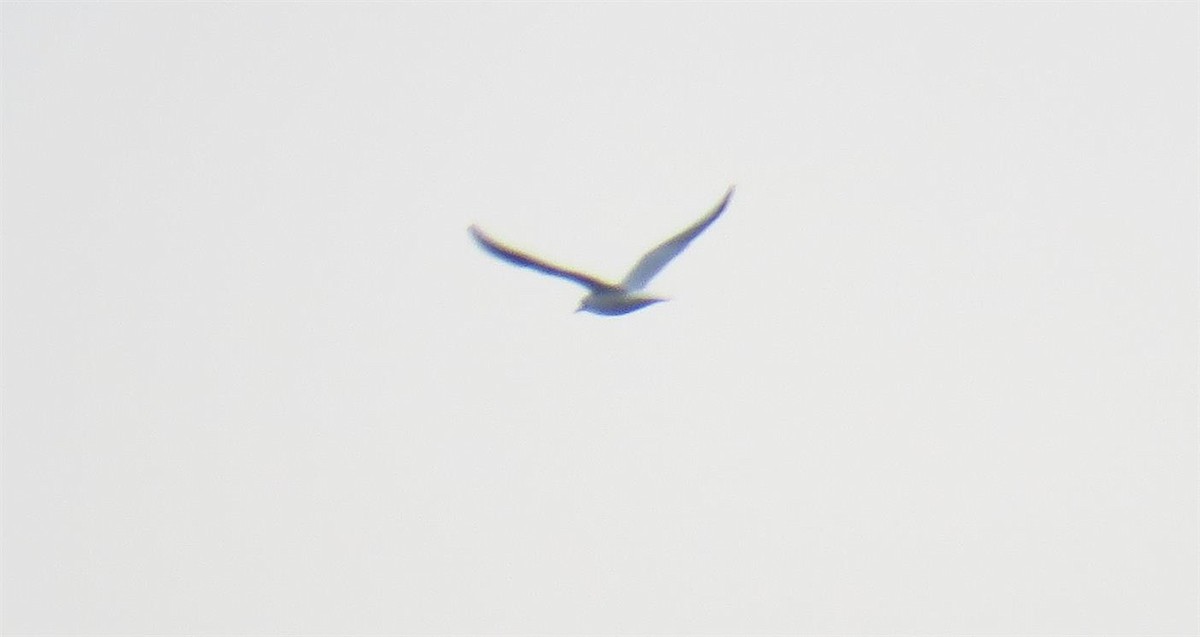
{"points": [[656, 259], [524, 260]]}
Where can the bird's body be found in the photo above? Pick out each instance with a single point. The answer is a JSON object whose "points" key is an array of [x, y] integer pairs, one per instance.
{"points": [[615, 302], [611, 299]]}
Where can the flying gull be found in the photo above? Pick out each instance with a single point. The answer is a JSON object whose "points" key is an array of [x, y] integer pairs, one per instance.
{"points": [[604, 297]]}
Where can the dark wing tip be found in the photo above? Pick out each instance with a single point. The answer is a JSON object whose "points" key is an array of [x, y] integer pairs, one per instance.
{"points": [[727, 197], [716, 211], [482, 238], [489, 244]]}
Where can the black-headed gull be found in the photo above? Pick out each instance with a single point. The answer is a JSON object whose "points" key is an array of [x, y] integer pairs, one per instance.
{"points": [[604, 297]]}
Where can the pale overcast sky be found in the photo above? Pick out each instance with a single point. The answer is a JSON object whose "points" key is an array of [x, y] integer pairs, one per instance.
{"points": [[933, 372]]}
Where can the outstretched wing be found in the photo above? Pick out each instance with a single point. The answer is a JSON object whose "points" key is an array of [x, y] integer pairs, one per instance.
{"points": [[516, 257], [656, 259]]}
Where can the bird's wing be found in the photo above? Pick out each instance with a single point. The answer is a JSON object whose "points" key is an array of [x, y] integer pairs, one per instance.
{"points": [[516, 257], [656, 259]]}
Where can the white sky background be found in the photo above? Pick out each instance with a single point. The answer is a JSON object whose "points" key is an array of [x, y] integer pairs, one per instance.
{"points": [[934, 371]]}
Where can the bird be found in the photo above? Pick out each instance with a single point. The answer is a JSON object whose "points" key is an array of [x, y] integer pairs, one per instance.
{"points": [[604, 297]]}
